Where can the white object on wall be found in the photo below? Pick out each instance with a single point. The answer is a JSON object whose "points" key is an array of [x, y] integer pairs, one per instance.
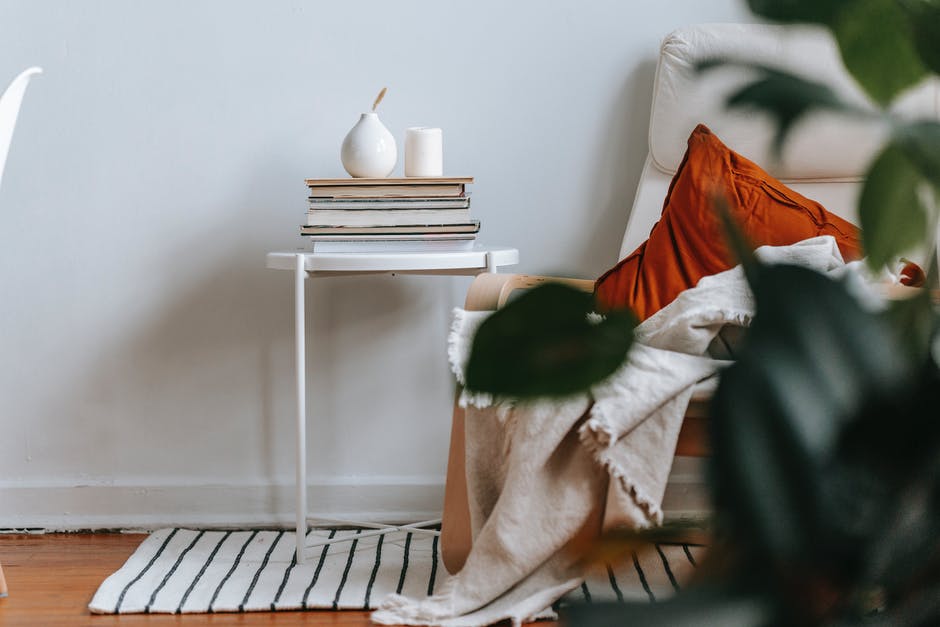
{"points": [[369, 150], [424, 151], [9, 110]]}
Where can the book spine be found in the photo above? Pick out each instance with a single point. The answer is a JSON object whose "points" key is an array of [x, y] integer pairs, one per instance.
{"points": [[338, 217], [385, 191], [391, 246], [395, 237], [424, 229], [359, 204], [390, 181]]}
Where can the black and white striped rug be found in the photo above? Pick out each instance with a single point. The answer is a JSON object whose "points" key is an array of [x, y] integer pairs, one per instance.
{"points": [[192, 571]]}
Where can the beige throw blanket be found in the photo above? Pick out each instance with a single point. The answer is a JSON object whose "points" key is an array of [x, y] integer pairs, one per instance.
{"points": [[546, 475]]}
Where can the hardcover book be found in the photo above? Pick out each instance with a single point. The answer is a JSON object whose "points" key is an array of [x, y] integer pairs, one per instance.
{"points": [[396, 217], [407, 180], [388, 187], [417, 229], [357, 204]]}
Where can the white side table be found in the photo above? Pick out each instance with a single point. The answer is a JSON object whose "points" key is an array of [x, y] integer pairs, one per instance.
{"points": [[317, 264]]}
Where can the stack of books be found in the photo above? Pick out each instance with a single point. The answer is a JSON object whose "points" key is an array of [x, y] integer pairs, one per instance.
{"points": [[358, 215]]}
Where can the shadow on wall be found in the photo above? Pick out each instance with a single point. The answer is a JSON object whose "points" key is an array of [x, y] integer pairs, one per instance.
{"points": [[193, 380], [203, 387], [624, 154]]}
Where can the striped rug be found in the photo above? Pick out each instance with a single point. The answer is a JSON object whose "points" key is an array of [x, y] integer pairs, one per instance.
{"points": [[192, 571]]}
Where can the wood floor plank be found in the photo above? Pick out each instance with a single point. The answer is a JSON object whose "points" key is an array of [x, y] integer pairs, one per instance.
{"points": [[52, 577]]}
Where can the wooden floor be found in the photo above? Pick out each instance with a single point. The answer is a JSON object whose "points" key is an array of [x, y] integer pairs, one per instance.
{"points": [[52, 577]]}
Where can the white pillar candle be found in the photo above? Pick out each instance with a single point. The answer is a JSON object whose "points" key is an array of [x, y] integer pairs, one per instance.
{"points": [[424, 152]]}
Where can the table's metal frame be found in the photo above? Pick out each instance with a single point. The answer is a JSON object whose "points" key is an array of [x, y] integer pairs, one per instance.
{"points": [[473, 263]]}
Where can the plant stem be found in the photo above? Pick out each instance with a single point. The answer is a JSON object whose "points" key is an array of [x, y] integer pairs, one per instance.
{"points": [[378, 98]]}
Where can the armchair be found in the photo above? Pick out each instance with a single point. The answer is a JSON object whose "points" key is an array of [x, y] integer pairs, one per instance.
{"points": [[824, 159]]}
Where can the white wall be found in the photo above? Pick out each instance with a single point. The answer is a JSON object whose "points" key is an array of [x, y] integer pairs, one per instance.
{"points": [[145, 352]]}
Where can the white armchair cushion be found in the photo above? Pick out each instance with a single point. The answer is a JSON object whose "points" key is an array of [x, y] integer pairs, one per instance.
{"points": [[825, 146]]}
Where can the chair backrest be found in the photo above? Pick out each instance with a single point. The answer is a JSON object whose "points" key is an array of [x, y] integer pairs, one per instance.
{"points": [[825, 156], [9, 109]]}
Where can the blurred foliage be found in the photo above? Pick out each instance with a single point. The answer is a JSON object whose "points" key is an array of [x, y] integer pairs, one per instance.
{"points": [[787, 97], [876, 37], [825, 471], [888, 46], [893, 182], [546, 343], [825, 439]]}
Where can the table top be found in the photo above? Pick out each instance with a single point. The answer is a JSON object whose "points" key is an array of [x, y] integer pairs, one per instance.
{"points": [[415, 262]]}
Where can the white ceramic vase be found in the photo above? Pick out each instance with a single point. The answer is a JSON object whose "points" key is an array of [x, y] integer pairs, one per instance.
{"points": [[369, 150]]}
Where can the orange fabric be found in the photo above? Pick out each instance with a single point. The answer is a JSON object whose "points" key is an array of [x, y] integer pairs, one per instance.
{"points": [[688, 242], [912, 274]]}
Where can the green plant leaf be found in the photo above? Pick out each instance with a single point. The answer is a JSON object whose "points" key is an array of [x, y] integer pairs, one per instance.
{"points": [[787, 98], [783, 96], [825, 440], [544, 345], [921, 142], [924, 20], [891, 212], [889, 454], [812, 361], [915, 322], [882, 42], [921, 610], [813, 11], [878, 47], [702, 606]]}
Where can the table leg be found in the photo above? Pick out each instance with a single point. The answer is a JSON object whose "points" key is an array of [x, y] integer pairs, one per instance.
{"points": [[491, 263], [300, 366]]}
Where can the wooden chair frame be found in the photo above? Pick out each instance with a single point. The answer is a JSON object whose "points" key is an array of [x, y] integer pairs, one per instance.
{"points": [[489, 292]]}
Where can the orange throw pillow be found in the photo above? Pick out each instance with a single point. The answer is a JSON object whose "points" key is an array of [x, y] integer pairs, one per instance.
{"points": [[688, 242]]}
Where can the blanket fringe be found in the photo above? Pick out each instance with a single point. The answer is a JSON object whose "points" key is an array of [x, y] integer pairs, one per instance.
{"points": [[455, 356], [463, 328], [590, 440], [396, 609], [599, 428], [459, 340]]}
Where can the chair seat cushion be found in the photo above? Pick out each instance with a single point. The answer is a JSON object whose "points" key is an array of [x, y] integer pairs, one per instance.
{"points": [[688, 242]]}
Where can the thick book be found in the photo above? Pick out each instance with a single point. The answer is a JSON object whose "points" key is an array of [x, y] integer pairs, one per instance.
{"points": [[359, 204], [394, 217], [388, 191], [438, 187], [427, 237], [405, 180], [414, 229], [406, 245]]}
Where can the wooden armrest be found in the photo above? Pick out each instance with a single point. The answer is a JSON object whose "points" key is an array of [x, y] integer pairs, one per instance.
{"points": [[489, 292], [894, 291]]}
